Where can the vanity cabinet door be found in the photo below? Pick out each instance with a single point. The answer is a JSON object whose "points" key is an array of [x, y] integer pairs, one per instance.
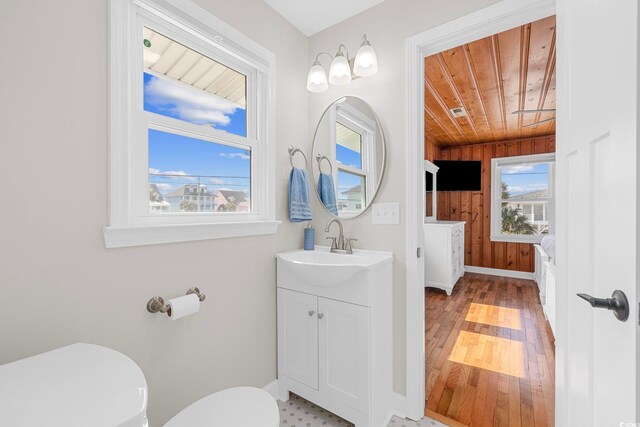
{"points": [[344, 352], [298, 336]]}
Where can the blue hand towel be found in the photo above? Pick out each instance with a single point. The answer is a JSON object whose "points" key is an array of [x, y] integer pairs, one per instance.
{"points": [[327, 193], [299, 201]]}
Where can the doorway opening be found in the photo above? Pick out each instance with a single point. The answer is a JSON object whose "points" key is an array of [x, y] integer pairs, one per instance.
{"points": [[489, 150]]}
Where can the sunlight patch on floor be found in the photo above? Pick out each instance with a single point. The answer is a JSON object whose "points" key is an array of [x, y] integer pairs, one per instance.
{"points": [[496, 354], [494, 315]]}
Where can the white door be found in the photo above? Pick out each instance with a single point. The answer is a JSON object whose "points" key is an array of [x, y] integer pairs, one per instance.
{"points": [[597, 211], [298, 336], [344, 352]]}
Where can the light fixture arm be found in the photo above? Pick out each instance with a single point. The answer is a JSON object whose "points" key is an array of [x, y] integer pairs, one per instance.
{"points": [[340, 50], [317, 61]]}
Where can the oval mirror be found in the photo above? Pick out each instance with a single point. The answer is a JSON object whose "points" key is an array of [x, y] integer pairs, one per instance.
{"points": [[348, 157]]}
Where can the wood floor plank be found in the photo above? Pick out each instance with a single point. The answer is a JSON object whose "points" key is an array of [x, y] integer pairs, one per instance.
{"points": [[490, 355]]}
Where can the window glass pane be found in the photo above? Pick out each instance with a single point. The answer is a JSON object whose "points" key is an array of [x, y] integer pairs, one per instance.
{"points": [[192, 175], [516, 221], [538, 212], [348, 146], [351, 192], [525, 181], [184, 84]]}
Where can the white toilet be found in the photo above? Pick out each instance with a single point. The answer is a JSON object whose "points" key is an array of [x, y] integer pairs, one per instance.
{"points": [[85, 384]]}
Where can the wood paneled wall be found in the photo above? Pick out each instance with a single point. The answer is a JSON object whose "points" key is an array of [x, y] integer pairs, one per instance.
{"points": [[474, 207], [431, 150]]}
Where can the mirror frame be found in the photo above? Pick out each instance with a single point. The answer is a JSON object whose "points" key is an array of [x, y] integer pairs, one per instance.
{"points": [[384, 156]]}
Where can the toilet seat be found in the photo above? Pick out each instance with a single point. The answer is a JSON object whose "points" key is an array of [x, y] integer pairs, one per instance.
{"points": [[74, 386], [233, 407]]}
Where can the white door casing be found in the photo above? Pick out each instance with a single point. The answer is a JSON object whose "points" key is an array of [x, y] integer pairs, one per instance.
{"points": [[298, 336], [597, 165], [503, 15]]}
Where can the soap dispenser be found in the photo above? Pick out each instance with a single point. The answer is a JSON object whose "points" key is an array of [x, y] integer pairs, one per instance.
{"points": [[309, 237]]}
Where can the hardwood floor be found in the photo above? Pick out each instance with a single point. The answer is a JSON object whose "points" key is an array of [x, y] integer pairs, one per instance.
{"points": [[490, 354]]}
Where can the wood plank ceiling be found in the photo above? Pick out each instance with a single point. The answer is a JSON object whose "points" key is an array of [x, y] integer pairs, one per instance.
{"points": [[491, 78]]}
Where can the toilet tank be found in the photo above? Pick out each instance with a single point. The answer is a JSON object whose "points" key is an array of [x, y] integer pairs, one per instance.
{"points": [[74, 386]]}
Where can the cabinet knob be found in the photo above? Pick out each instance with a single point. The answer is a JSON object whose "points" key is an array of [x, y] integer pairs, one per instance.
{"points": [[320, 315], [311, 312]]}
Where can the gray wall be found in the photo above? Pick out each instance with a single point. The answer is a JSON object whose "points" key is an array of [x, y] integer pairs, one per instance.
{"points": [[58, 283], [387, 26]]}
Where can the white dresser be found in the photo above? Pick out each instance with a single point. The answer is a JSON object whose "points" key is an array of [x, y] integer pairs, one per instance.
{"points": [[443, 254]]}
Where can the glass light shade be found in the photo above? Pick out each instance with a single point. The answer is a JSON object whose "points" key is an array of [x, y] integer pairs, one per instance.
{"points": [[340, 71], [317, 79], [366, 63]]}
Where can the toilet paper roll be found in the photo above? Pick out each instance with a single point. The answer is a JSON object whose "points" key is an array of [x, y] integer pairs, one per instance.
{"points": [[183, 306]]}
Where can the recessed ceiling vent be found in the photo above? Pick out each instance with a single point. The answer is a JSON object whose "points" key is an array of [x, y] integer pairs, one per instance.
{"points": [[458, 112]]}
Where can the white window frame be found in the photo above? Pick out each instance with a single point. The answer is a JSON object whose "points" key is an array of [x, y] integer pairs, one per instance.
{"points": [[496, 196], [364, 126], [130, 221]]}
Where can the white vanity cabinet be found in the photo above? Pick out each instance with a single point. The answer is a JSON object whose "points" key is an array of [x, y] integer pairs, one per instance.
{"points": [[298, 336], [324, 344], [443, 254], [335, 343]]}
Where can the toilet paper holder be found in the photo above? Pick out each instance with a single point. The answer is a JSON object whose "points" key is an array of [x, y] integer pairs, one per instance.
{"points": [[157, 305]]}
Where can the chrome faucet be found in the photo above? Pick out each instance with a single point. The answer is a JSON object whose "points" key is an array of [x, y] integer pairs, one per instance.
{"points": [[339, 245]]}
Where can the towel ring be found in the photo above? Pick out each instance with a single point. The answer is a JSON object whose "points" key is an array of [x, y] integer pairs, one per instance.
{"points": [[292, 152], [320, 158]]}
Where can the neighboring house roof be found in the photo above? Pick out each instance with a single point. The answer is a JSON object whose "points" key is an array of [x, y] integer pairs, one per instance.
{"points": [[354, 190], [532, 195], [234, 196], [191, 190]]}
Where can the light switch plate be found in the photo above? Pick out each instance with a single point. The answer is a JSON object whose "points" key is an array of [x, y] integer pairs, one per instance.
{"points": [[386, 213]]}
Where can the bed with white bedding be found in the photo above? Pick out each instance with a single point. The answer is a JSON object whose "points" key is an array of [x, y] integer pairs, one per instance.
{"points": [[545, 276]]}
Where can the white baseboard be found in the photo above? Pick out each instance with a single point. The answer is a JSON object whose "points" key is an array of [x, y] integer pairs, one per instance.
{"points": [[499, 272], [399, 403], [272, 389]]}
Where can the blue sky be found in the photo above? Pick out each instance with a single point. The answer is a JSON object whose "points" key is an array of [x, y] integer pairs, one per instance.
{"points": [[346, 182], [526, 178], [348, 157], [172, 99], [176, 160]]}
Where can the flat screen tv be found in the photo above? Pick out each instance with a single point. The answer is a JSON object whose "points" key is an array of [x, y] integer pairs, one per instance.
{"points": [[457, 175]]}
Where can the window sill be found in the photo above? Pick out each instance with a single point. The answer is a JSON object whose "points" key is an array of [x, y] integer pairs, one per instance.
{"points": [[120, 237], [518, 239]]}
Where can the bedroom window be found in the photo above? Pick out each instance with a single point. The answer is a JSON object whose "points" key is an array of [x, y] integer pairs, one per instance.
{"points": [[522, 202], [191, 127]]}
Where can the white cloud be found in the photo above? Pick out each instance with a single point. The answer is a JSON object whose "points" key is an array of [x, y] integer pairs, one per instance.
{"points": [[236, 156], [216, 181], [172, 174], [516, 189], [517, 169], [190, 104], [164, 187]]}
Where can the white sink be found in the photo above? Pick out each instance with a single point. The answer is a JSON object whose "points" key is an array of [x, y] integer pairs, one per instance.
{"points": [[323, 268]]}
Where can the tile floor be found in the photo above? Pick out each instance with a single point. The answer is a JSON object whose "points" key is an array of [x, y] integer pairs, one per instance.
{"points": [[298, 412]]}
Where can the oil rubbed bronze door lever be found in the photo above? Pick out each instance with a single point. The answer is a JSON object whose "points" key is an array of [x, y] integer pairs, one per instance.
{"points": [[618, 303]]}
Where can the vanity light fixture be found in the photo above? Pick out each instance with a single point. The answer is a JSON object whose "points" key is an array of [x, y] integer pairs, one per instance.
{"points": [[366, 62], [342, 68]]}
